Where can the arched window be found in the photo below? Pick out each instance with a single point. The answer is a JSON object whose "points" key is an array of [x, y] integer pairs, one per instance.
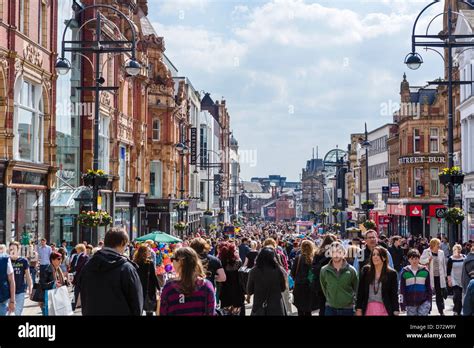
{"points": [[28, 144], [156, 129]]}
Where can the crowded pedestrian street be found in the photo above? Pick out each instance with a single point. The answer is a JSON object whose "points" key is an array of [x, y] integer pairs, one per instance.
{"points": [[259, 160]]}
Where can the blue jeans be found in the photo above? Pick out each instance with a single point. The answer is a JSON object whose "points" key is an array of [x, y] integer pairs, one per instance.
{"points": [[20, 302], [4, 307], [33, 273], [346, 312]]}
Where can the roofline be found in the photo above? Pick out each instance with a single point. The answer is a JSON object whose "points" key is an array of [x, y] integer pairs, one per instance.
{"points": [[169, 60], [385, 125]]}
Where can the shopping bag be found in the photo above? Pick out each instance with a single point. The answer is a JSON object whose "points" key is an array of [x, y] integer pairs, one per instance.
{"points": [[59, 302]]}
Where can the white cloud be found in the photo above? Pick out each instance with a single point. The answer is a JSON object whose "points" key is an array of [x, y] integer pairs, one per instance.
{"points": [[194, 48], [175, 6], [300, 24]]}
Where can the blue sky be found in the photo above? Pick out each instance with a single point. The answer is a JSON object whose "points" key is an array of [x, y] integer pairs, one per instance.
{"points": [[296, 74]]}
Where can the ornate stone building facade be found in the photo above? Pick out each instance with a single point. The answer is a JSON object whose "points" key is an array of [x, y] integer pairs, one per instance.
{"points": [[27, 116]]}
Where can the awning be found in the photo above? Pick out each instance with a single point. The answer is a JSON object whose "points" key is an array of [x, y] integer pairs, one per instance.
{"points": [[64, 198]]}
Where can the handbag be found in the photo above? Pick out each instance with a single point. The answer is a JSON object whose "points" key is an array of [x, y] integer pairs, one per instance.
{"points": [[59, 302], [37, 293]]}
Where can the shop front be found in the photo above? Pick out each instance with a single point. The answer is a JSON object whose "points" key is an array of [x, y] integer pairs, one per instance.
{"points": [[161, 215], [468, 205], [416, 219], [24, 202], [128, 212]]}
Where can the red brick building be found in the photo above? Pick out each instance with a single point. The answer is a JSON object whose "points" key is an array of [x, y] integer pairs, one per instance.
{"points": [[27, 116]]}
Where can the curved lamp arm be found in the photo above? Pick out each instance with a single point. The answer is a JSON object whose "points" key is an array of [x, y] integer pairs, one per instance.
{"points": [[131, 25]]}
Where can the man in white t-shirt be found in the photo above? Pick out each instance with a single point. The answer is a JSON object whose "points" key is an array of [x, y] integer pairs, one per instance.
{"points": [[7, 285]]}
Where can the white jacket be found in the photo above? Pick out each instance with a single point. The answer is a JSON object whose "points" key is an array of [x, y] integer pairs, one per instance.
{"points": [[425, 261]]}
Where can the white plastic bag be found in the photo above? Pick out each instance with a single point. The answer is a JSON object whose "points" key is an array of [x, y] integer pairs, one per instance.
{"points": [[59, 302]]}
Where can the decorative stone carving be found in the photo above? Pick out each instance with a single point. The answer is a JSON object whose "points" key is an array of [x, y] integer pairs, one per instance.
{"points": [[18, 67], [105, 98], [33, 55]]}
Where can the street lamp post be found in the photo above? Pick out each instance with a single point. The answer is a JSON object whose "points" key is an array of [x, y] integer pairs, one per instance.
{"points": [[98, 47], [413, 60], [366, 145]]}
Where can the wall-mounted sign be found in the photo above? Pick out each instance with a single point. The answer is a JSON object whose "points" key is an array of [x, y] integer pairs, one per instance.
{"points": [[439, 212], [385, 190], [395, 189], [421, 159], [217, 185], [193, 145], [28, 178], [415, 210]]}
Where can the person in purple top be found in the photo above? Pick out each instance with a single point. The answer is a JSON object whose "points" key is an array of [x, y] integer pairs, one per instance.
{"points": [[191, 294]]}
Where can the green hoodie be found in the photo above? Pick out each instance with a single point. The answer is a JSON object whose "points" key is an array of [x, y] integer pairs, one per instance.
{"points": [[339, 288]]}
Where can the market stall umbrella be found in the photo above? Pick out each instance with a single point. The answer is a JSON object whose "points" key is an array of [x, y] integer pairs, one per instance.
{"points": [[159, 237]]}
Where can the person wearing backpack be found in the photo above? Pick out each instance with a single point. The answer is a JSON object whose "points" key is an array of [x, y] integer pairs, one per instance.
{"points": [[267, 282], [303, 276]]}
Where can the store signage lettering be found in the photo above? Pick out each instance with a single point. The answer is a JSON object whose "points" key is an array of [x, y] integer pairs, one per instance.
{"points": [[28, 178], [193, 145], [422, 159]]}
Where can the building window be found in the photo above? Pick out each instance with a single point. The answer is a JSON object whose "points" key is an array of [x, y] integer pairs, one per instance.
{"points": [[156, 176], [434, 140], [416, 141], [434, 181], [156, 129], [42, 23], [28, 122], [104, 143], [123, 168], [202, 185], [23, 16], [418, 180]]}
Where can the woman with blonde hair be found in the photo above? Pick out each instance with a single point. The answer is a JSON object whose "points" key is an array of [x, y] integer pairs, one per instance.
{"points": [[302, 273], [191, 294], [434, 259]]}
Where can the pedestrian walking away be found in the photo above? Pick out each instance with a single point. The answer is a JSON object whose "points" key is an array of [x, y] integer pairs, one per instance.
{"points": [[109, 282]]}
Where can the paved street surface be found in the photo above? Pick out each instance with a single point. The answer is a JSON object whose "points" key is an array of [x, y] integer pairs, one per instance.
{"points": [[32, 308]]}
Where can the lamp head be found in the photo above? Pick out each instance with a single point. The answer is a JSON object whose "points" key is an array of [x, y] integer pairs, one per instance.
{"points": [[62, 66], [132, 67], [413, 60], [366, 145]]}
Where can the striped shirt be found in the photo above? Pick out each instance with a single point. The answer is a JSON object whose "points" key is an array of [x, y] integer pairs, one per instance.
{"points": [[414, 287], [200, 302]]}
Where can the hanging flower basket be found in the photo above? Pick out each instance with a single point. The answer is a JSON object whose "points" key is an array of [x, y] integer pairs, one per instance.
{"points": [[454, 216], [323, 214], [94, 218], [181, 226], [452, 175], [370, 224], [368, 204], [95, 178], [335, 212], [182, 205], [336, 226]]}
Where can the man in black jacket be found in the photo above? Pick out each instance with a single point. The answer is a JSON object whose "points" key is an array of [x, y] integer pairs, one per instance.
{"points": [[109, 282], [397, 253]]}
